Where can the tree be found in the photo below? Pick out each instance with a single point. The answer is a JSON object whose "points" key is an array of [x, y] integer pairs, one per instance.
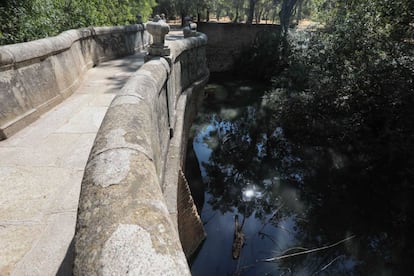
{"points": [[352, 86], [340, 117], [237, 6], [286, 13], [266, 9], [250, 15], [32, 19], [166, 7]]}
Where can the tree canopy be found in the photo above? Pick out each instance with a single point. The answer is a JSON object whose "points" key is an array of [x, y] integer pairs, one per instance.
{"points": [[351, 85], [32, 19], [248, 11], [336, 128]]}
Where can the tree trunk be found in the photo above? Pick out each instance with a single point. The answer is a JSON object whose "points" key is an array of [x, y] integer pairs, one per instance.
{"points": [[274, 17], [259, 16], [236, 18], [266, 16], [182, 18], [299, 12], [286, 13], [252, 4]]}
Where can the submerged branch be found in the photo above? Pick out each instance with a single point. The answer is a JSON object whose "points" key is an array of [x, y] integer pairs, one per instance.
{"points": [[238, 240], [278, 258]]}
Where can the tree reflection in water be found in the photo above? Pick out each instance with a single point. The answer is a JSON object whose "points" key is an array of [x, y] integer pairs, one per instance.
{"points": [[295, 195]]}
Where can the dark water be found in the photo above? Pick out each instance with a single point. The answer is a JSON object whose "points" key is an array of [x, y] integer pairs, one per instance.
{"points": [[296, 198]]}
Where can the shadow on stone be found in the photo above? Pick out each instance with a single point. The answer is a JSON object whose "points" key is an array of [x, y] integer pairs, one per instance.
{"points": [[66, 268]]}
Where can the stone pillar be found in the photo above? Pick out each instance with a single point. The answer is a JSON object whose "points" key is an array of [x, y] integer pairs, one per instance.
{"points": [[158, 29], [190, 28]]}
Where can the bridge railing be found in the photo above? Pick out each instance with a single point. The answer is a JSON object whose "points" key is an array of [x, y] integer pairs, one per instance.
{"points": [[35, 76], [127, 216]]}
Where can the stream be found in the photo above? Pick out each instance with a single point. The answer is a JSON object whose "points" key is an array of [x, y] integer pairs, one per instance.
{"points": [[300, 206]]}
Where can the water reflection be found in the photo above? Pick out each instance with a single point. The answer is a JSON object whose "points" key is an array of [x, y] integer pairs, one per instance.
{"points": [[294, 196]]}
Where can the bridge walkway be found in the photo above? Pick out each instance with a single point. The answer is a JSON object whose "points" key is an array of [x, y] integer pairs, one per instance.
{"points": [[41, 169]]}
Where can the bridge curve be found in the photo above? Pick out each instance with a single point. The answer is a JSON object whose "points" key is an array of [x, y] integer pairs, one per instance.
{"points": [[125, 224], [42, 163]]}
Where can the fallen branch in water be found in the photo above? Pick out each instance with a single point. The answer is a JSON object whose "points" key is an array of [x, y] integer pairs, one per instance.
{"points": [[238, 240], [278, 258], [291, 249]]}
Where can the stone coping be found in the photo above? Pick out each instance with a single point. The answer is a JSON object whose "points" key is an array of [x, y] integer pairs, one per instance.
{"points": [[42, 48], [124, 225], [35, 76]]}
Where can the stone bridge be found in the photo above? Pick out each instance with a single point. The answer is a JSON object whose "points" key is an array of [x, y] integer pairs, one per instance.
{"points": [[94, 133], [86, 98]]}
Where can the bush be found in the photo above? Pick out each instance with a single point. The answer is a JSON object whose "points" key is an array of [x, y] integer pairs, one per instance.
{"points": [[352, 89], [22, 21], [266, 58]]}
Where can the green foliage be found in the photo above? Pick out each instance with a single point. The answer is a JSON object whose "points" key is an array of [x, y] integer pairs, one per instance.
{"points": [[32, 19], [352, 87], [266, 58], [166, 7], [248, 11]]}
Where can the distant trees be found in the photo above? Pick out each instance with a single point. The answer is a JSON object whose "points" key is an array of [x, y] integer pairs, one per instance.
{"points": [[248, 11], [31, 19], [251, 11], [286, 12]]}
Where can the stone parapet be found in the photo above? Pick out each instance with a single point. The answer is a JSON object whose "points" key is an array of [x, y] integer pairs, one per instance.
{"points": [[35, 76], [127, 216], [227, 41]]}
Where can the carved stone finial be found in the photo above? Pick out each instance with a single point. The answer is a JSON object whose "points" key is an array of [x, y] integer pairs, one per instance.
{"points": [[187, 20], [139, 19], [156, 18], [158, 29], [190, 28]]}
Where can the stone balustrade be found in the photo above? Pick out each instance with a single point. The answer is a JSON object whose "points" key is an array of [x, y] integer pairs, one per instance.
{"points": [[130, 200], [134, 197], [35, 76]]}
